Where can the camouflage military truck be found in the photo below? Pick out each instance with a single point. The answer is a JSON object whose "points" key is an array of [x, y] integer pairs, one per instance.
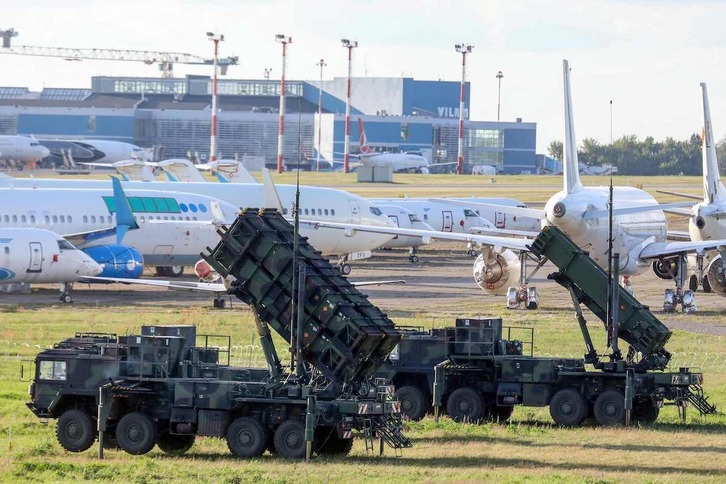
{"points": [[474, 374], [162, 388]]}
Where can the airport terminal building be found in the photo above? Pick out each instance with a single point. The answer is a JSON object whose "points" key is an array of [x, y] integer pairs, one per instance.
{"points": [[399, 114]]}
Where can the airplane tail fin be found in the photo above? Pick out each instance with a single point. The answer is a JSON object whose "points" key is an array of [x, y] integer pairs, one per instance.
{"points": [[364, 148], [125, 220], [272, 198], [713, 188], [571, 169]]}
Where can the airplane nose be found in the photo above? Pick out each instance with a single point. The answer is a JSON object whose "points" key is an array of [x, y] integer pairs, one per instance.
{"points": [[90, 267], [43, 151]]}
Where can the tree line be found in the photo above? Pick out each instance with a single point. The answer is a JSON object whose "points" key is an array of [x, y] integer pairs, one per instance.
{"points": [[633, 156]]}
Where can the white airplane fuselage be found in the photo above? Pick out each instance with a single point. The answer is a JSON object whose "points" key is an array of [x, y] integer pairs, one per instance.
{"points": [[316, 203], [441, 216], [631, 232], [397, 161], [160, 240], [405, 219], [21, 148], [41, 256]]}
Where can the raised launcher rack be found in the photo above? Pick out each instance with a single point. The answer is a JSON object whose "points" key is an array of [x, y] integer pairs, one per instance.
{"points": [[345, 336], [589, 282]]}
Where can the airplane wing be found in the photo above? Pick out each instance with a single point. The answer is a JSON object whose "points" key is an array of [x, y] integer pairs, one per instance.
{"points": [[518, 211], [679, 194], [657, 250], [683, 212], [426, 235], [496, 231], [591, 214], [217, 287], [679, 235]]}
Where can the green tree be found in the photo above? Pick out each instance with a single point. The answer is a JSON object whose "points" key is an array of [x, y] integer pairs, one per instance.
{"points": [[556, 150]]}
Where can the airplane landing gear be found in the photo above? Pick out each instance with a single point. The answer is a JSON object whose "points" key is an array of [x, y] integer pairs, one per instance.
{"points": [[412, 257], [524, 294], [218, 303], [65, 292], [343, 266], [687, 298]]}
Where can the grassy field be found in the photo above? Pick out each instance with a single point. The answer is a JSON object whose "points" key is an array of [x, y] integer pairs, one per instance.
{"points": [[529, 448]]}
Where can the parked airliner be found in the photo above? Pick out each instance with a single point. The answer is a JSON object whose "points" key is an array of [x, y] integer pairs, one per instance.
{"points": [[639, 230], [707, 218], [32, 255], [21, 150], [316, 203]]}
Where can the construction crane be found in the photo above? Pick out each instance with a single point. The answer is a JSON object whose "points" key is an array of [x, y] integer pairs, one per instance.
{"points": [[165, 60]]}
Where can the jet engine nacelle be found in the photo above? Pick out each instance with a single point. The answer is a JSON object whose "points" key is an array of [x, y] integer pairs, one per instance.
{"points": [[717, 276], [204, 271], [495, 271], [666, 268], [119, 261]]}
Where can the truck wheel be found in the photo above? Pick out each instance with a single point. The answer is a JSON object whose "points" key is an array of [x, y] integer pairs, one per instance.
{"points": [[136, 433], [465, 405], [568, 408], [246, 437], [645, 412], [609, 409], [75, 431], [174, 444], [290, 439], [413, 402], [328, 442]]}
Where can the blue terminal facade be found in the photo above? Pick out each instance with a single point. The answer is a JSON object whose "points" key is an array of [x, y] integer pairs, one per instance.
{"points": [[399, 114]]}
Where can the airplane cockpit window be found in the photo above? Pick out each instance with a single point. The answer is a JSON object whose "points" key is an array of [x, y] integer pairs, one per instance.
{"points": [[376, 211], [469, 213], [63, 244], [412, 217]]}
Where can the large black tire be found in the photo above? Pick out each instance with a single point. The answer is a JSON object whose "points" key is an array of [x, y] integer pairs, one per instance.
{"points": [[568, 408], [499, 413], [645, 413], [173, 444], [75, 430], [609, 409], [465, 405], [414, 404], [693, 282], [246, 437], [328, 442], [136, 433], [290, 439], [706, 285]]}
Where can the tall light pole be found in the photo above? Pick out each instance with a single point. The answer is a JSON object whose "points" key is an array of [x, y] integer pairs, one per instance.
{"points": [[321, 64], [213, 138], [350, 45], [463, 49], [499, 96], [281, 129]]}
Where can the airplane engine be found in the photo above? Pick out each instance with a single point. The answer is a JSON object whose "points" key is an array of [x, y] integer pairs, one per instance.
{"points": [[205, 272], [716, 275], [119, 261], [662, 268], [495, 271]]}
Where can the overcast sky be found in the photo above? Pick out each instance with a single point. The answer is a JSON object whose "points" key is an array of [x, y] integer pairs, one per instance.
{"points": [[647, 56]]}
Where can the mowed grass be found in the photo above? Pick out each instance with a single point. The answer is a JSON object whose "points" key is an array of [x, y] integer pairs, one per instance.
{"points": [[529, 448]]}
